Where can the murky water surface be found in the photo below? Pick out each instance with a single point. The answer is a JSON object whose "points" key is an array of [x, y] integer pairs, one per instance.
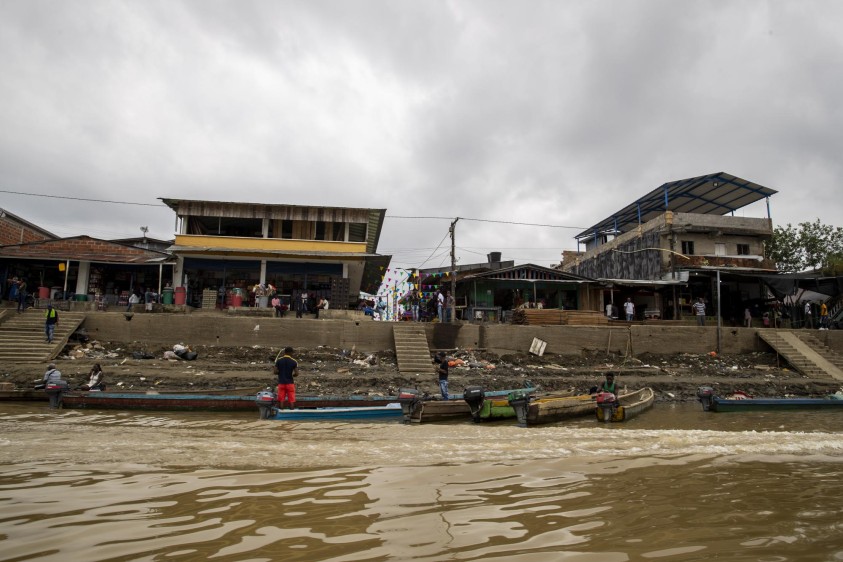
{"points": [[673, 484]]}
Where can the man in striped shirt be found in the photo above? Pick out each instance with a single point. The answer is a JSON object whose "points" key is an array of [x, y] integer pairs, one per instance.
{"points": [[699, 310]]}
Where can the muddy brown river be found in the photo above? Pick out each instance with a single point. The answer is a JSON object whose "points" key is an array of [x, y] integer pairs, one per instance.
{"points": [[675, 483]]}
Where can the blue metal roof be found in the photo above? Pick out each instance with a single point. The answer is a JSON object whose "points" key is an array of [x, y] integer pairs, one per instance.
{"points": [[714, 194]]}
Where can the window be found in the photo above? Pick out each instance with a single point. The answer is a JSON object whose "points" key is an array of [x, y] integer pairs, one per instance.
{"points": [[339, 232], [719, 249], [320, 230], [688, 247], [286, 229], [743, 249], [357, 232]]}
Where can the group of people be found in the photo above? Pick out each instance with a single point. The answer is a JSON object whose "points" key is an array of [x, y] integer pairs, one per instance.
{"points": [[441, 304], [95, 381], [809, 316], [18, 292]]}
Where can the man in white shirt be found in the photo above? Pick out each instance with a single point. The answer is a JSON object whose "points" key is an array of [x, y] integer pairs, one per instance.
{"points": [[629, 309]]}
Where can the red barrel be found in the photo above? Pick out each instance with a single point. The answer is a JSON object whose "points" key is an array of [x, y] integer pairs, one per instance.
{"points": [[180, 295], [236, 300], [43, 292]]}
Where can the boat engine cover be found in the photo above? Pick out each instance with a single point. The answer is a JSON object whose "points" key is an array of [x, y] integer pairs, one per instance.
{"points": [[606, 398]]}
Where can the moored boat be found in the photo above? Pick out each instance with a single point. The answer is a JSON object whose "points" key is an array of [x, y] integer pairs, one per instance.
{"points": [[611, 408], [420, 410], [388, 411], [231, 402], [551, 409], [487, 408], [743, 403]]}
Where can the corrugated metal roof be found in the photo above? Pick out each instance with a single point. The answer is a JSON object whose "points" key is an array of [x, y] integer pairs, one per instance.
{"points": [[713, 194]]}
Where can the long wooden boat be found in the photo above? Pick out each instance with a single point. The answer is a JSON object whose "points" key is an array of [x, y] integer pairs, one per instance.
{"points": [[422, 411], [389, 411], [485, 408], [742, 402], [552, 409], [627, 406], [207, 402]]}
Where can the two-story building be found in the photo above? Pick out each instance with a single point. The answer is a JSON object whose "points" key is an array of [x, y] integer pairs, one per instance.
{"points": [[665, 249], [322, 251]]}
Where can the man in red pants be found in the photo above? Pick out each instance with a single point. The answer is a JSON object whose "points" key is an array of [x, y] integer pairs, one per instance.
{"points": [[288, 369]]}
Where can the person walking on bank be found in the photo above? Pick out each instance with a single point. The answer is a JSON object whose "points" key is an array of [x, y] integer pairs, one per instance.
{"points": [[629, 310], [287, 370], [22, 295], [823, 316], [699, 310], [442, 371], [50, 322]]}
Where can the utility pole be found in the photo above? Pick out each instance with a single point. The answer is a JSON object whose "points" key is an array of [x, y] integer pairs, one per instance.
{"points": [[453, 312]]}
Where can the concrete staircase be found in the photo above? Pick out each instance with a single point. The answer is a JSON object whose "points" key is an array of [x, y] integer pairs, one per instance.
{"points": [[22, 338], [808, 357], [411, 348]]}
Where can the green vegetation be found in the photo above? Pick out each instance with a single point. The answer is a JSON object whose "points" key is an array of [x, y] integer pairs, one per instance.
{"points": [[810, 246]]}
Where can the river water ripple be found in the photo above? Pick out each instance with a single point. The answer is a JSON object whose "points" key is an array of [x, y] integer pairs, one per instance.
{"points": [[673, 484]]}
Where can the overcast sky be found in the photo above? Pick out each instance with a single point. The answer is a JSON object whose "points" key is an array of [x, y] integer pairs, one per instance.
{"points": [[556, 113]]}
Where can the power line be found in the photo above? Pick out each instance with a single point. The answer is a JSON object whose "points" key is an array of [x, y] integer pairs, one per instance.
{"points": [[83, 199], [488, 220]]}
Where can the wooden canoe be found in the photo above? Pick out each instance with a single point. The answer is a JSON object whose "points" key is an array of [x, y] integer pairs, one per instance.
{"points": [[389, 411], [629, 406], [501, 408], [442, 410], [207, 402], [557, 408]]}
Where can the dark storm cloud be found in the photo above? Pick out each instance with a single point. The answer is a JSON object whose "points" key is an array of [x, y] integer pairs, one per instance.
{"points": [[547, 112]]}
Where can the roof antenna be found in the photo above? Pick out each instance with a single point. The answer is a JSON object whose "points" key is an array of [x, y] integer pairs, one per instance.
{"points": [[144, 229]]}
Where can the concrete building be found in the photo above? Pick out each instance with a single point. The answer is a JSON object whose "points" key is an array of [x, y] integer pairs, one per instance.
{"points": [[225, 248], [668, 246]]}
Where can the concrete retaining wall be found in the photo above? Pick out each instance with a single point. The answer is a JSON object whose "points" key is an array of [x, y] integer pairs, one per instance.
{"points": [[368, 335], [573, 340]]}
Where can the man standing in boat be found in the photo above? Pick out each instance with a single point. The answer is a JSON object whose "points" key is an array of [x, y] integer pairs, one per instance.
{"points": [[287, 369], [608, 385]]}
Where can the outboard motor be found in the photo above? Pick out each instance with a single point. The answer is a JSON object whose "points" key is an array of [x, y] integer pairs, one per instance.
{"points": [[410, 401], [706, 395], [265, 401], [474, 397], [607, 403], [55, 390], [520, 402]]}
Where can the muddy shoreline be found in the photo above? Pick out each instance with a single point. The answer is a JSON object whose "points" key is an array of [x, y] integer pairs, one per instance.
{"points": [[330, 371]]}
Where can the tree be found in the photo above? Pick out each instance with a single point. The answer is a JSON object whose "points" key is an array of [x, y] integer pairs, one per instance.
{"points": [[811, 246]]}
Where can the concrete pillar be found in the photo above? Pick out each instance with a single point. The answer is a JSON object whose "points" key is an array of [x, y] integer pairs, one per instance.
{"points": [[83, 278]]}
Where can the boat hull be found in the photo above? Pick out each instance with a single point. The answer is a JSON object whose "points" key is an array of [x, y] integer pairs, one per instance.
{"points": [[629, 406], [390, 411], [206, 402], [443, 410], [773, 404], [550, 410]]}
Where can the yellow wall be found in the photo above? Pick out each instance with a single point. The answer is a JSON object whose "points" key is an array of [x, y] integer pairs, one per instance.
{"points": [[273, 244]]}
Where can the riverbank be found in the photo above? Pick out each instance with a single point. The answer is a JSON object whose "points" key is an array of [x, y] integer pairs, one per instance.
{"points": [[333, 371]]}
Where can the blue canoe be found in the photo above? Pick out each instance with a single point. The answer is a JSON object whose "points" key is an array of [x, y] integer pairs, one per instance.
{"points": [[391, 410]]}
